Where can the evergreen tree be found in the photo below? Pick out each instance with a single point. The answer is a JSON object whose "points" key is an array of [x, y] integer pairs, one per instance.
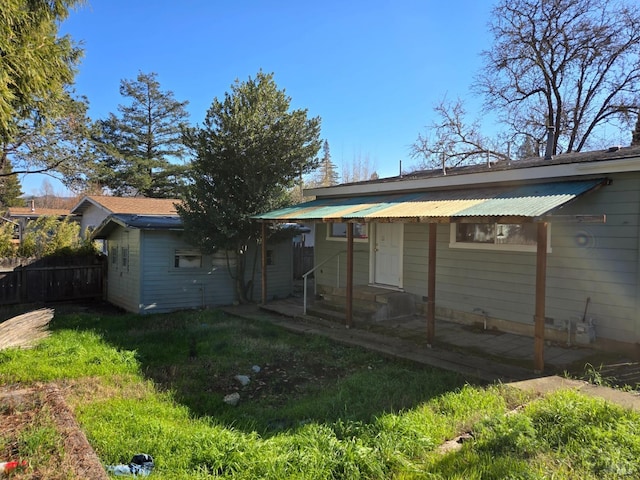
{"points": [[327, 173], [10, 188], [250, 150], [32, 80], [138, 151], [37, 69]]}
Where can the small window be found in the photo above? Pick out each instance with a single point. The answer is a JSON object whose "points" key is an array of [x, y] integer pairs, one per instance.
{"points": [[338, 231], [497, 236], [270, 258], [113, 253], [187, 259], [125, 256]]}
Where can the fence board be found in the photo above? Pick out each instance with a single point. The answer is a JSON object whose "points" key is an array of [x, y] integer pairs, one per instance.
{"points": [[302, 260], [51, 279]]}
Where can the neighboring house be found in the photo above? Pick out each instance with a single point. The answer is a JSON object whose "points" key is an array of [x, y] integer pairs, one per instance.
{"points": [[469, 245], [152, 268], [93, 209], [21, 216]]}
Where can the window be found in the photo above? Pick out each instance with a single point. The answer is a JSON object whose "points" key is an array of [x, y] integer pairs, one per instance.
{"points": [[338, 231], [270, 257], [497, 236], [187, 259], [125, 256], [113, 253]]}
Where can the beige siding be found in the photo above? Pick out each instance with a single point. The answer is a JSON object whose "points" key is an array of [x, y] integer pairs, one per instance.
{"points": [[92, 217]]}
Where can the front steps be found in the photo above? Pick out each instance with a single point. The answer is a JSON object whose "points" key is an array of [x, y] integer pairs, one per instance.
{"points": [[370, 304]]}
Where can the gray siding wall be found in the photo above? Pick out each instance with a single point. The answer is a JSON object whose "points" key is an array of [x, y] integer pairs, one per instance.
{"points": [[123, 287], [415, 260], [335, 271], [596, 261], [167, 288], [500, 283], [279, 274], [600, 261]]}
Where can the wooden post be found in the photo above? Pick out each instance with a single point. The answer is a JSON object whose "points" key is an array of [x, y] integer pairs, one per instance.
{"points": [[349, 313], [541, 274], [264, 263], [431, 285]]}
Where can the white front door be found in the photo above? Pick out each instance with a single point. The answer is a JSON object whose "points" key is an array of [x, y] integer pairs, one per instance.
{"points": [[388, 254]]}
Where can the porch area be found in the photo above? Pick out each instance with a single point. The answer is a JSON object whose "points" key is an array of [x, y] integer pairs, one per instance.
{"points": [[389, 321]]}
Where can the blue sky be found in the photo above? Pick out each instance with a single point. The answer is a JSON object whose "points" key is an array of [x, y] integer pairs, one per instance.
{"points": [[372, 70]]}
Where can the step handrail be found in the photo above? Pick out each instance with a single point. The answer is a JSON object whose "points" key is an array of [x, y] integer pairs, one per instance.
{"points": [[305, 275]]}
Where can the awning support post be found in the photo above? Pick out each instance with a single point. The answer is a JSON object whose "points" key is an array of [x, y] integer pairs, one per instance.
{"points": [[541, 274], [263, 247], [349, 313], [431, 284]]}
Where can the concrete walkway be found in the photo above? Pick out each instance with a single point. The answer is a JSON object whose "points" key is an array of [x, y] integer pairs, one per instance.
{"points": [[487, 356]]}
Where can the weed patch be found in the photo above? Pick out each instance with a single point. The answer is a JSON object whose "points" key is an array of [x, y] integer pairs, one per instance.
{"points": [[312, 410]]}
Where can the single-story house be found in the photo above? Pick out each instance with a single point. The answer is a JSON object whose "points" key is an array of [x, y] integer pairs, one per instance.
{"points": [[94, 209], [21, 216], [544, 247], [152, 268]]}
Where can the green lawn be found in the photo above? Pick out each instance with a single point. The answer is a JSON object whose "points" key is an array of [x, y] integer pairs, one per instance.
{"points": [[315, 410]]}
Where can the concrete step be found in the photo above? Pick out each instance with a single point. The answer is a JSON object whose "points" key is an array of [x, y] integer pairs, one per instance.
{"points": [[321, 310], [372, 303]]}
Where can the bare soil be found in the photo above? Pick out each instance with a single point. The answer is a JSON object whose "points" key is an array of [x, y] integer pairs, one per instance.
{"points": [[20, 410]]}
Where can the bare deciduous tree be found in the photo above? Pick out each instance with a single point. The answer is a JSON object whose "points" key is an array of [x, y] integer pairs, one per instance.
{"points": [[359, 169], [573, 65], [454, 141], [567, 66]]}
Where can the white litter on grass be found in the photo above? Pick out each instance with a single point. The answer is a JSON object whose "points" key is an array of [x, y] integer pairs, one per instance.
{"points": [[232, 399]]}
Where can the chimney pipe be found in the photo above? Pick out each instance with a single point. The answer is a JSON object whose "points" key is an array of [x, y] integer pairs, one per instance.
{"points": [[33, 205], [548, 154]]}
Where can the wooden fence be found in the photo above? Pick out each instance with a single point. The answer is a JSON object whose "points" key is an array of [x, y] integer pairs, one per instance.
{"points": [[302, 259], [53, 279]]}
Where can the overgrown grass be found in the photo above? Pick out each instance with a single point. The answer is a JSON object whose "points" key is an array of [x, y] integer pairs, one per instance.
{"points": [[315, 410]]}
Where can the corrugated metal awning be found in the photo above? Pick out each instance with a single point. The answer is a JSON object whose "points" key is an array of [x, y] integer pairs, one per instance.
{"points": [[521, 203]]}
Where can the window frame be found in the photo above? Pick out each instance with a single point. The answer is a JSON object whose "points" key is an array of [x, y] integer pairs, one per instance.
{"points": [[499, 247], [333, 238], [124, 257], [187, 252]]}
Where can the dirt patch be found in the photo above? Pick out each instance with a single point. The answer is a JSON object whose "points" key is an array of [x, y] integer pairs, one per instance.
{"points": [[67, 456]]}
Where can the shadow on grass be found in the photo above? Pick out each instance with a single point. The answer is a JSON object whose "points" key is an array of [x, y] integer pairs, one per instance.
{"points": [[292, 379]]}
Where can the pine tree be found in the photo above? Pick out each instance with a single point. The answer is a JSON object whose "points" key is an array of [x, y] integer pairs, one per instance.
{"points": [[36, 65], [10, 188], [327, 173], [138, 151], [249, 151]]}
